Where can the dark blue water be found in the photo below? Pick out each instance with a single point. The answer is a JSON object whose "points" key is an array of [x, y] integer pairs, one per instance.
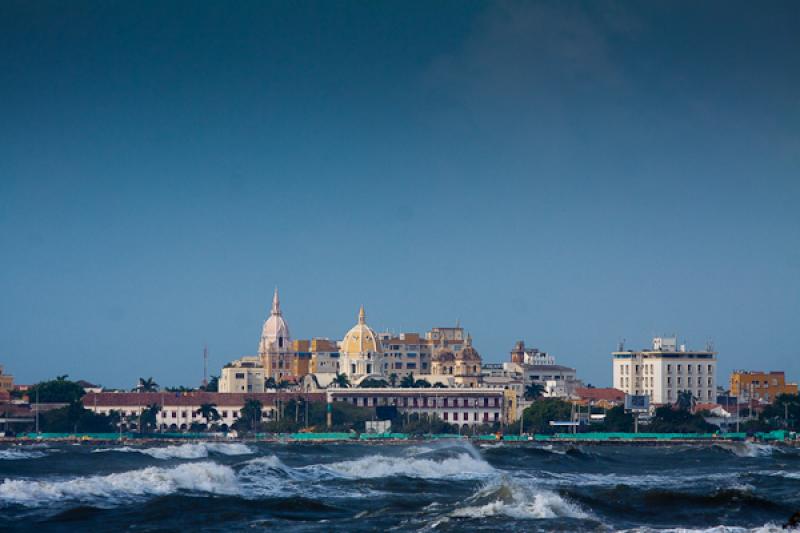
{"points": [[445, 486]]}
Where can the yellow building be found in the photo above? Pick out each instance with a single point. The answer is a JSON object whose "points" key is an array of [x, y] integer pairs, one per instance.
{"points": [[754, 385]]}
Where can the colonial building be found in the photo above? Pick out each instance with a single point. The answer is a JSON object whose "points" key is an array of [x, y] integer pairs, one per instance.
{"points": [[360, 355], [324, 356], [766, 386], [6, 381], [665, 370], [275, 347], [463, 406], [178, 412]]}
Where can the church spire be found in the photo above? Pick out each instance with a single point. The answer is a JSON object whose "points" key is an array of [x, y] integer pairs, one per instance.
{"points": [[361, 315], [276, 303]]}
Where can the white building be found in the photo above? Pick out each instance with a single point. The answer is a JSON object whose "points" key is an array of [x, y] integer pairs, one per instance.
{"points": [[462, 406], [665, 370]]}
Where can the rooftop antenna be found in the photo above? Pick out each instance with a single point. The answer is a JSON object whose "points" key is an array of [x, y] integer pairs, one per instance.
{"points": [[621, 345], [205, 365]]}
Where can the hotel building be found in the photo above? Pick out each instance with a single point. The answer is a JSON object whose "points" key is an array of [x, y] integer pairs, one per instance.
{"points": [[665, 370]]}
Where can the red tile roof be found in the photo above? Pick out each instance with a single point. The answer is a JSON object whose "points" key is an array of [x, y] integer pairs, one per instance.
{"points": [[593, 394], [196, 398]]}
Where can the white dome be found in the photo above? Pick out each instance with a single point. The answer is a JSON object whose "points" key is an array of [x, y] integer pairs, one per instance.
{"points": [[275, 336]]}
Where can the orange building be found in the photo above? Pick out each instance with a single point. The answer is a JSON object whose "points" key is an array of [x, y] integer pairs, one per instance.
{"points": [[747, 384]]}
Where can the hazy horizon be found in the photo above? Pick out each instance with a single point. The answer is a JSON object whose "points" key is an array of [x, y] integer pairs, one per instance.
{"points": [[568, 174]]}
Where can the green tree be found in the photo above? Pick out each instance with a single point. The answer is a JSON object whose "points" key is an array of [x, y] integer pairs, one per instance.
{"points": [[534, 391], [408, 381], [373, 383], [617, 420], [75, 418], [439, 385], [669, 420], [250, 414], [149, 418], [59, 390], [422, 384], [146, 385], [784, 412], [341, 381], [209, 412], [270, 383], [212, 385], [685, 400], [393, 379], [539, 415]]}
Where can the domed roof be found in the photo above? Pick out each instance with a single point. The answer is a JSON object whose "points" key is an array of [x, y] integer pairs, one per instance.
{"points": [[443, 354], [361, 338], [275, 334], [468, 353]]}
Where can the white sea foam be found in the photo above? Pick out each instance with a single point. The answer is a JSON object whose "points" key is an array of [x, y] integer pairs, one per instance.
{"points": [[766, 528], [513, 498], [644, 480], [194, 450], [15, 454], [195, 477], [747, 449], [461, 466]]}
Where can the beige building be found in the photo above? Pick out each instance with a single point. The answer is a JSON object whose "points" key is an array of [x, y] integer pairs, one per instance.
{"points": [[243, 375], [665, 370], [324, 356]]}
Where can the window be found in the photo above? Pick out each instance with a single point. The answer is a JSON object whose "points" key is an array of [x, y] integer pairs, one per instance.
{"points": [[455, 416], [445, 414], [411, 365], [240, 375]]}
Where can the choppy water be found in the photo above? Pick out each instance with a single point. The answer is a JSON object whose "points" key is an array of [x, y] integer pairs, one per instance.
{"points": [[444, 486]]}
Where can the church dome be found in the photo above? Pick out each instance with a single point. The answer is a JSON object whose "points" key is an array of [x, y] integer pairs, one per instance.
{"points": [[275, 335], [361, 338], [468, 353], [443, 355]]}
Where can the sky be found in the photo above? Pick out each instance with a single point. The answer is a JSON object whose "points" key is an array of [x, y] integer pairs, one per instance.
{"points": [[567, 173]]}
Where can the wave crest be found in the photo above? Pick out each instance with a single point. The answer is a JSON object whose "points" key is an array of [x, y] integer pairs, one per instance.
{"points": [[193, 450]]}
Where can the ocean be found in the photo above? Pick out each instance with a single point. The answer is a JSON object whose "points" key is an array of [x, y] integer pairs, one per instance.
{"points": [[439, 486]]}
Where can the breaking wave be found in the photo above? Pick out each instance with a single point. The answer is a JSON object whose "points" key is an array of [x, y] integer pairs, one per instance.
{"points": [[15, 454], [512, 498], [746, 449], [766, 528], [195, 450], [461, 466], [153, 481]]}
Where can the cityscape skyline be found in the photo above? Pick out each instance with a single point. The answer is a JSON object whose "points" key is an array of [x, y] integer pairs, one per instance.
{"points": [[567, 174]]}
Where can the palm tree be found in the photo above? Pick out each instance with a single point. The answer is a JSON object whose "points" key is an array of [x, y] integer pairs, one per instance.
{"points": [[149, 417], [147, 385], [408, 381], [252, 411], [685, 400], [393, 379], [341, 381], [533, 391], [373, 383], [209, 412]]}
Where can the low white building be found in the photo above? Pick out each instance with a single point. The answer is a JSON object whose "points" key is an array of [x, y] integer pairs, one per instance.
{"points": [[462, 406], [177, 411], [666, 370]]}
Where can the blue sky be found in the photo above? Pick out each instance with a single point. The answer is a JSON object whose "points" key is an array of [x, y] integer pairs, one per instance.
{"points": [[566, 173]]}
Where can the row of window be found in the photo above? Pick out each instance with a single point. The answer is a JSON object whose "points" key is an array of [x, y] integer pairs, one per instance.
{"points": [[649, 369], [454, 416], [427, 402]]}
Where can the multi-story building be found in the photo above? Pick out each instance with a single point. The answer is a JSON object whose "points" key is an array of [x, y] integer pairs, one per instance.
{"points": [[754, 385], [463, 406], [179, 412], [324, 356], [665, 370], [243, 375], [540, 368]]}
